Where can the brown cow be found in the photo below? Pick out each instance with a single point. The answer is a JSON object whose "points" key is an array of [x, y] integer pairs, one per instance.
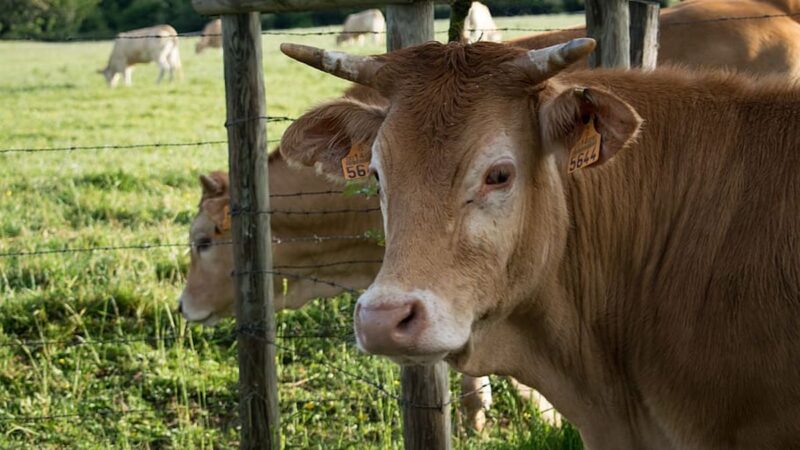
{"points": [[690, 36], [653, 295]]}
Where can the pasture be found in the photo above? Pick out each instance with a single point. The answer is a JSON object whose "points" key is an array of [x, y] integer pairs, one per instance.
{"points": [[92, 353]]}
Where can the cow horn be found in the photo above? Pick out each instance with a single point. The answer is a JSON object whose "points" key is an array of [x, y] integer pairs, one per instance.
{"points": [[546, 62], [358, 69]]}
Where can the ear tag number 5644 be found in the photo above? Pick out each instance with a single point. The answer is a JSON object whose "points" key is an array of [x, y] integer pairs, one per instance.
{"points": [[586, 150]]}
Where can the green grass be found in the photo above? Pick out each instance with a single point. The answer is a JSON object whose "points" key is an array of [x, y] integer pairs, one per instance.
{"points": [[168, 384]]}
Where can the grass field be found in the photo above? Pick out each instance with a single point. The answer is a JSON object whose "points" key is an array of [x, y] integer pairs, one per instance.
{"points": [[111, 364]]}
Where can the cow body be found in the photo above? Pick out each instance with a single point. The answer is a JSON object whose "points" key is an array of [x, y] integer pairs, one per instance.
{"points": [[211, 37], [158, 43], [479, 25], [690, 34], [653, 297], [360, 25]]}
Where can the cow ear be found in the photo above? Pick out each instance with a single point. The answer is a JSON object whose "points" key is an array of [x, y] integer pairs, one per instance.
{"points": [[590, 125], [211, 186], [324, 136]]}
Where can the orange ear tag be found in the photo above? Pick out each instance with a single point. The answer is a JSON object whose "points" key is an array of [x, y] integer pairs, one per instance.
{"points": [[226, 218], [586, 151], [356, 163]]}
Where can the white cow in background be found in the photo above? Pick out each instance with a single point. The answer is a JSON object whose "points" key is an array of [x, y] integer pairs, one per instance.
{"points": [[359, 25], [158, 43], [211, 36], [479, 25]]}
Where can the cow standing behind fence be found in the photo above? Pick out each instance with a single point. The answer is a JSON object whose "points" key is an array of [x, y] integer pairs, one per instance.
{"points": [[625, 241], [709, 34], [211, 37], [479, 25], [158, 43], [357, 26]]}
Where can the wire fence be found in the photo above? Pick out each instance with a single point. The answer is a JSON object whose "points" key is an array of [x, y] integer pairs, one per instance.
{"points": [[199, 34], [298, 272]]}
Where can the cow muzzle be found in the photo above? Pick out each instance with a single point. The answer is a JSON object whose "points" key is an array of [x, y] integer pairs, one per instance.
{"points": [[410, 326], [392, 328]]}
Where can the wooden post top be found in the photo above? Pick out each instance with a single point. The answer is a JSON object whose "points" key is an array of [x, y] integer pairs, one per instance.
{"points": [[217, 7]]}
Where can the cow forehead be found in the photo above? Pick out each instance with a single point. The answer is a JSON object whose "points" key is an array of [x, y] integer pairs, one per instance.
{"points": [[444, 98], [441, 155]]}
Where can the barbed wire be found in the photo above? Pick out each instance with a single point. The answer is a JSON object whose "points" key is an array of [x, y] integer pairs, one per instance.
{"points": [[269, 119], [150, 246], [242, 211], [300, 194], [346, 335], [97, 413], [330, 264], [107, 147], [253, 331], [73, 148], [197, 34]]}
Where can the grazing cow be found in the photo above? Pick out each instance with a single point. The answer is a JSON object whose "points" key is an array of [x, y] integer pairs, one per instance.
{"points": [[357, 26], [479, 25], [211, 37], [625, 242], [689, 35], [209, 292], [158, 43]]}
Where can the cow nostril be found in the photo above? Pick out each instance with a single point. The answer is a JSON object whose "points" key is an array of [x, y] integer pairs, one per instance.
{"points": [[411, 323], [180, 307], [408, 320]]}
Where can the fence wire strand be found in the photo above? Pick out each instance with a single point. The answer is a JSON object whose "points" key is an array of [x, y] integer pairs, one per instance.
{"points": [[151, 246], [197, 34], [72, 148]]}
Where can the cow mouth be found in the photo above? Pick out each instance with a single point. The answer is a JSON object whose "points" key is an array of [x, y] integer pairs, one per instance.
{"points": [[419, 360], [209, 321]]}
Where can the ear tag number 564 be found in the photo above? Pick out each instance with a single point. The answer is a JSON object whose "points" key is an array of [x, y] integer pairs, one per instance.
{"points": [[356, 163]]}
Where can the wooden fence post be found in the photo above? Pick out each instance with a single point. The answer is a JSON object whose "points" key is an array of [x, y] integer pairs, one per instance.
{"points": [[408, 25], [607, 22], [423, 428], [249, 191], [644, 33], [459, 10]]}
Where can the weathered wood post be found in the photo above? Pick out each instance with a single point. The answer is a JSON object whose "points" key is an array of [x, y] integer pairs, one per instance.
{"points": [[247, 158], [408, 25], [607, 22], [459, 9], [424, 428], [644, 33]]}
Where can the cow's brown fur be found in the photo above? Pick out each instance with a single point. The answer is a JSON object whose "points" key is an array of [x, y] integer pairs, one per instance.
{"points": [[690, 36], [655, 299]]}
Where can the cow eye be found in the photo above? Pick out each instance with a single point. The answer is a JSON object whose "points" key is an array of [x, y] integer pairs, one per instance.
{"points": [[202, 244], [499, 175]]}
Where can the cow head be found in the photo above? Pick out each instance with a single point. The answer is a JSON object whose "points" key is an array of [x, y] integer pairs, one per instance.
{"points": [[307, 268], [110, 75], [209, 292], [471, 155]]}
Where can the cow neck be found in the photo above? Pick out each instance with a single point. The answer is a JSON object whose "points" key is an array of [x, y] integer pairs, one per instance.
{"points": [[645, 226]]}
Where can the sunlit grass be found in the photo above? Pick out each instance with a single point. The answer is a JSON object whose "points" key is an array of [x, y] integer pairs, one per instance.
{"points": [[149, 380]]}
